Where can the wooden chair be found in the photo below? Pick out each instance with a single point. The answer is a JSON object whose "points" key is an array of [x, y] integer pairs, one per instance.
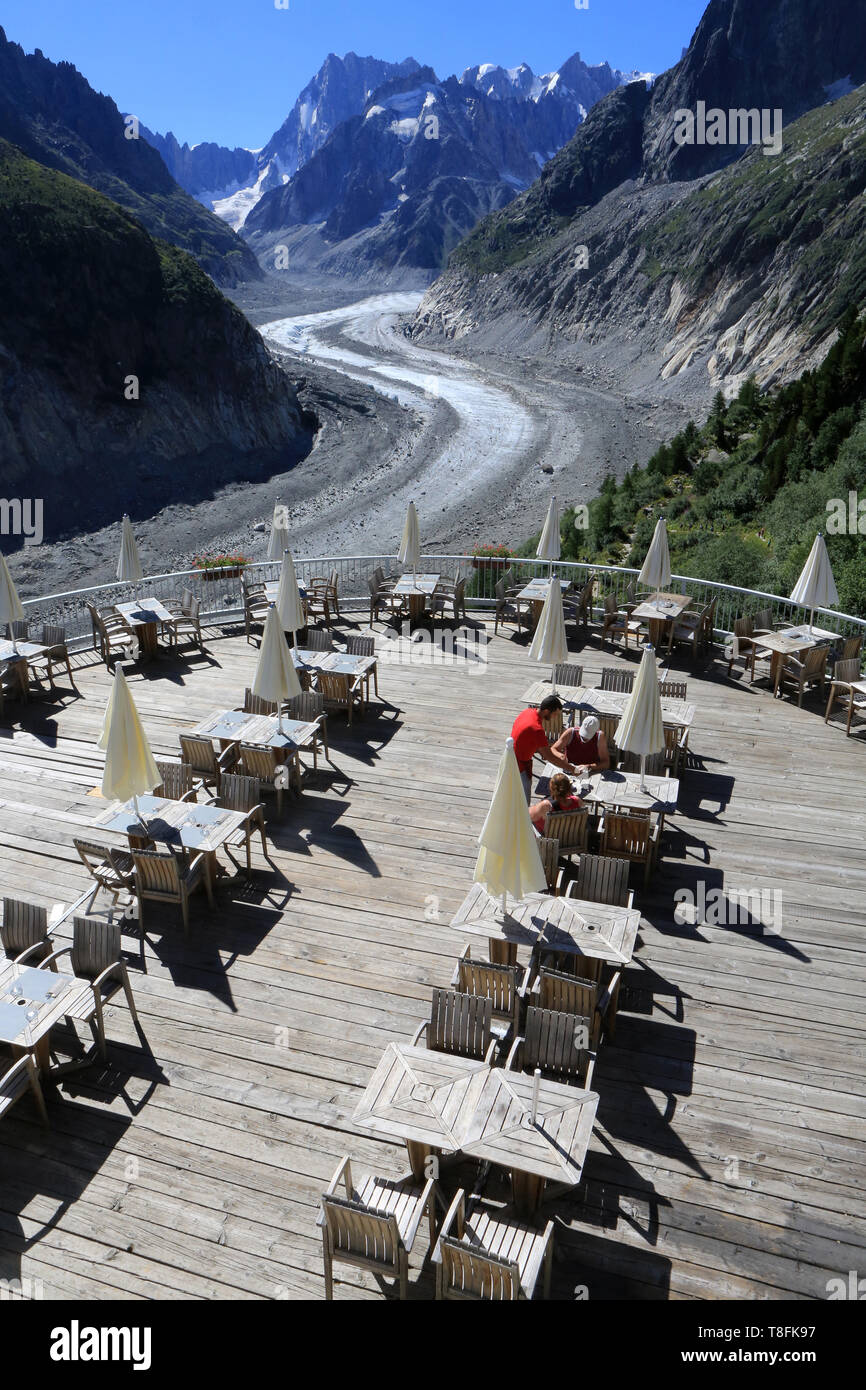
{"points": [[583, 603], [676, 746], [455, 596], [841, 686], [270, 771], [18, 630], [333, 594], [242, 794], [110, 868], [499, 983], [374, 1225], [812, 670], [851, 647], [341, 692], [57, 654], [317, 641], [565, 993], [381, 596], [617, 622], [310, 707], [484, 1257], [674, 690], [549, 851], [20, 1077], [359, 645], [24, 931], [634, 837], [15, 681], [763, 620], [614, 679], [207, 765], [177, 782], [566, 673], [655, 764], [741, 646], [257, 704], [459, 1024], [319, 600], [570, 829], [110, 634], [255, 606], [185, 619], [161, 877], [556, 1043], [508, 610], [602, 879], [95, 956], [695, 630]]}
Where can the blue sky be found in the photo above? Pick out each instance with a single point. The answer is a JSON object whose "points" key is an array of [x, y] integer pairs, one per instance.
{"points": [[230, 70]]}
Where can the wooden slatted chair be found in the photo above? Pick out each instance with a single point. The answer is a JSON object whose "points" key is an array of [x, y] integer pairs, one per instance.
{"points": [[24, 931], [566, 673], [242, 794], [763, 620], [374, 1225], [270, 771], [110, 634], [634, 837], [602, 879], [695, 630], [557, 1044], [656, 764], [617, 680], [14, 681], [500, 984], [741, 646], [381, 596], [310, 707], [161, 877], [509, 609], [673, 690], [110, 868], [16, 1080], [676, 747], [460, 1024], [570, 828], [334, 594], [484, 1257], [257, 704], [358, 644], [549, 851], [851, 647], [842, 688], [583, 604], [95, 956], [340, 691], [319, 600], [454, 596], [618, 623], [256, 606], [185, 619], [812, 670], [317, 641], [207, 765], [565, 993], [177, 782], [57, 653]]}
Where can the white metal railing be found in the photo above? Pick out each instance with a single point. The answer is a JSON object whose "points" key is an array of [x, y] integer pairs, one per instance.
{"points": [[221, 592]]}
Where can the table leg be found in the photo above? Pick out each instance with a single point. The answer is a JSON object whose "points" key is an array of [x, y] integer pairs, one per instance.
{"points": [[148, 642], [502, 952], [537, 607], [527, 1191], [418, 1156]]}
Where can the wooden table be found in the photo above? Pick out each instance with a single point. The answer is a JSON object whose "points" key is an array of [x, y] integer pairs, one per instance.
{"points": [[143, 618], [184, 824], [790, 641], [272, 589], [439, 1103], [417, 588], [622, 791], [658, 610], [12, 653], [261, 730], [535, 593], [22, 1035], [603, 934], [590, 699]]}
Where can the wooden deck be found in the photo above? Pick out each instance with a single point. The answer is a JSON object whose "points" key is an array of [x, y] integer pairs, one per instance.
{"points": [[728, 1153]]}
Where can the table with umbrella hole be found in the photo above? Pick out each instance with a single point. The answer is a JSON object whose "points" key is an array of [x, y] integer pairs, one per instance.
{"points": [[230, 726], [144, 617], [31, 1002], [177, 824], [417, 588], [790, 641], [535, 593], [12, 653], [659, 610], [591, 699]]}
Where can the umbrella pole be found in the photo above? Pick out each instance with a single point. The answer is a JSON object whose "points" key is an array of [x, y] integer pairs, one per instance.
{"points": [[811, 621], [642, 771], [536, 1082], [137, 808]]}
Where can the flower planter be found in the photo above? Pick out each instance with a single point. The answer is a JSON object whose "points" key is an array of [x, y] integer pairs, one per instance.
{"points": [[221, 572]]}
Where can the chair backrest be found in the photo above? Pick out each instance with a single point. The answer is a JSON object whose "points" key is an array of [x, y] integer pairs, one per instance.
{"points": [[601, 879], [198, 752], [95, 945], [190, 604], [672, 739], [334, 687], [379, 575], [555, 725], [459, 1023], [814, 662], [238, 793], [319, 641], [24, 925], [499, 590], [459, 591], [566, 673], [177, 780], [374, 584], [309, 705], [19, 629], [549, 851], [673, 690], [498, 983], [333, 582], [609, 723], [556, 1042], [611, 607], [614, 679], [156, 871], [470, 1272], [743, 627], [654, 764], [566, 994], [763, 619], [360, 1231], [847, 670], [356, 645], [568, 827], [627, 834], [257, 704], [258, 762], [852, 647], [53, 636]]}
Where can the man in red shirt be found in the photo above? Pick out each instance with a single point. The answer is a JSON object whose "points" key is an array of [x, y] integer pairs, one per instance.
{"points": [[530, 734]]}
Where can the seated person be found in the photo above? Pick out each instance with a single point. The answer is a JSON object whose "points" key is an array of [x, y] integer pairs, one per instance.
{"points": [[584, 747], [561, 799]]}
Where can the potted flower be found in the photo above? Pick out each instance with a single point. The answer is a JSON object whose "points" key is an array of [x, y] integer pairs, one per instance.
{"points": [[220, 566], [491, 557]]}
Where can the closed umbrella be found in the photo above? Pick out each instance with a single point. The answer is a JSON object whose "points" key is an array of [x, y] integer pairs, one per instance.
{"points": [[641, 729], [279, 541], [11, 610], [276, 677], [129, 564], [509, 861], [816, 587], [409, 555], [656, 572], [549, 644], [289, 603], [130, 770], [549, 545]]}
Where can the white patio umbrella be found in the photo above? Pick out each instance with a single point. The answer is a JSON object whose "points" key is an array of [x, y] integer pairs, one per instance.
{"points": [[130, 770], [289, 603], [549, 644], [641, 729], [549, 545], [279, 541], [816, 587], [508, 861], [276, 677], [409, 555], [128, 564], [11, 610], [656, 572]]}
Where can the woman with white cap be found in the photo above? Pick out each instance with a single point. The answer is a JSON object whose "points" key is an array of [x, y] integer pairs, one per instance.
{"points": [[585, 747]]}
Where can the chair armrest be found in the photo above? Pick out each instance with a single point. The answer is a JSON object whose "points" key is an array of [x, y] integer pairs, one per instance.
{"points": [[228, 756], [630, 903], [518, 1042], [421, 1207], [491, 1052], [31, 950], [421, 1029], [607, 998], [344, 1171], [526, 987], [190, 795], [55, 955], [590, 1069], [106, 974], [456, 1212]]}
